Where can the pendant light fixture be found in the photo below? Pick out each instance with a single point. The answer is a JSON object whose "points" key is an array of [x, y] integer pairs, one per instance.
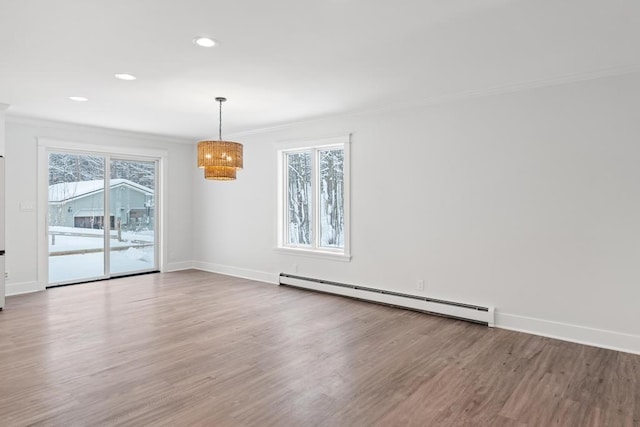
{"points": [[220, 159]]}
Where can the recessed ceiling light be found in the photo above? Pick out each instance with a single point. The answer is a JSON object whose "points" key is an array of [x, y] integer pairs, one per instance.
{"points": [[205, 41], [78, 98], [124, 76]]}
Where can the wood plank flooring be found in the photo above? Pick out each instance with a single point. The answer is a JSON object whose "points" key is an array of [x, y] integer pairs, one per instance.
{"points": [[195, 348]]}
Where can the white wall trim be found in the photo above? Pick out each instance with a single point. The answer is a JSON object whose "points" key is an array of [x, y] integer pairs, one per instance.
{"points": [[42, 206], [21, 288], [244, 273], [313, 253], [573, 333], [281, 148], [451, 97], [328, 140], [45, 144], [52, 124], [101, 149], [179, 266], [611, 340], [562, 331]]}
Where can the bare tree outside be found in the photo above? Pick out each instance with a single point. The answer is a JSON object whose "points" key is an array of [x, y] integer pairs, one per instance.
{"points": [[69, 170], [143, 173], [66, 167], [329, 213], [332, 198], [72, 170], [299, 198]]}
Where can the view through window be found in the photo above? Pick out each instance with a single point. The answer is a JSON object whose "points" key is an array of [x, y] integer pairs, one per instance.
{"points": [[79, 222], [314, 198]]}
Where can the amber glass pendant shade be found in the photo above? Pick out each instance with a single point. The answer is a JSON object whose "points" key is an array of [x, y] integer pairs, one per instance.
{"points": [[220, 159]]}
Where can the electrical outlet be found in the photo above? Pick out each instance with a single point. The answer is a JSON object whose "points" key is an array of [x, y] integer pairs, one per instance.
{"points": [[420, 285], [6, 274], [294, 267]]}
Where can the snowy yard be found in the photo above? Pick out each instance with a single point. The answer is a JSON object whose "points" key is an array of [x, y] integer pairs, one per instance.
{"points": [[70, 238], [134, 253]]}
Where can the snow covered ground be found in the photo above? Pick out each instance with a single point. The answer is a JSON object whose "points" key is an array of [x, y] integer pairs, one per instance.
{"points": [[64, 268]]}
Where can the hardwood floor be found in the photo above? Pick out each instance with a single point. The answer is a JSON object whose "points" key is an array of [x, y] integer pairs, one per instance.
{"points": [[195, 348]]}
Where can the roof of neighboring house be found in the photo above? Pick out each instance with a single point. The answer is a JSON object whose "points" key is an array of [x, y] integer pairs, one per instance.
{"points": [[67, 191], [90, 212]]}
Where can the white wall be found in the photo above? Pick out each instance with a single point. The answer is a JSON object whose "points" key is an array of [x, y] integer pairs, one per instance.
{"points": [[3, 108], [528, 201], [21, 191]]}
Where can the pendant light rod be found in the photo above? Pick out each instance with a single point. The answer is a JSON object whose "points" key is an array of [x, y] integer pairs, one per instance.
{"points": [[220, 99]]}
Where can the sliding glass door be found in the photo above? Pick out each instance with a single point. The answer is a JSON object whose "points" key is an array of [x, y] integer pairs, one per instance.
{"points": [[132, 198], [88, 241]]}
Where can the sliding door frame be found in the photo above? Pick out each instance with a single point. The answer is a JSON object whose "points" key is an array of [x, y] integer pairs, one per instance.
{"points": [[46, 146]]}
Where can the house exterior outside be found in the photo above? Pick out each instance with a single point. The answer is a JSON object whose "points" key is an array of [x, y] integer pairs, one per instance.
{"points": [[80, 204]]}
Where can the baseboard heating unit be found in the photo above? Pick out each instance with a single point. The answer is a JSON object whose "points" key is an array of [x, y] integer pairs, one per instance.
{"points": [[457, 310]]}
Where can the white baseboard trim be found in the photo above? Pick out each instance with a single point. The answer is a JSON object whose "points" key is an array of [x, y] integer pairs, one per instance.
{"points": [[618, 341], [244, 273], [611, 340], [573, 333], [178, 266], [21, 288]]}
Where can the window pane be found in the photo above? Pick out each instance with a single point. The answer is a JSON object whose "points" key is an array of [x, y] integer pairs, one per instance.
{"points": [[332, 198], [76, 217], [132, 200], [299, 198]]}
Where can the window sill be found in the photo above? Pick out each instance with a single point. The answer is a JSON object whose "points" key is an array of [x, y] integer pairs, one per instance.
{"points": [[333, 256]]}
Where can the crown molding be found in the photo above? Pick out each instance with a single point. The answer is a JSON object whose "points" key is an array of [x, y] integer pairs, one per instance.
{"points": [[535, 84], [53, 124], [455, 97], [415, 104]]}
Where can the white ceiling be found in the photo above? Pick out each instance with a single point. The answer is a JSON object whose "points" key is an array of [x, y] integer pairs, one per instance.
{"points": [[282, 61]]}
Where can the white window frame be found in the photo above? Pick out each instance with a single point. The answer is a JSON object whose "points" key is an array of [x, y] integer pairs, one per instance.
{"points": [[45, 145], [315, 250]]}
